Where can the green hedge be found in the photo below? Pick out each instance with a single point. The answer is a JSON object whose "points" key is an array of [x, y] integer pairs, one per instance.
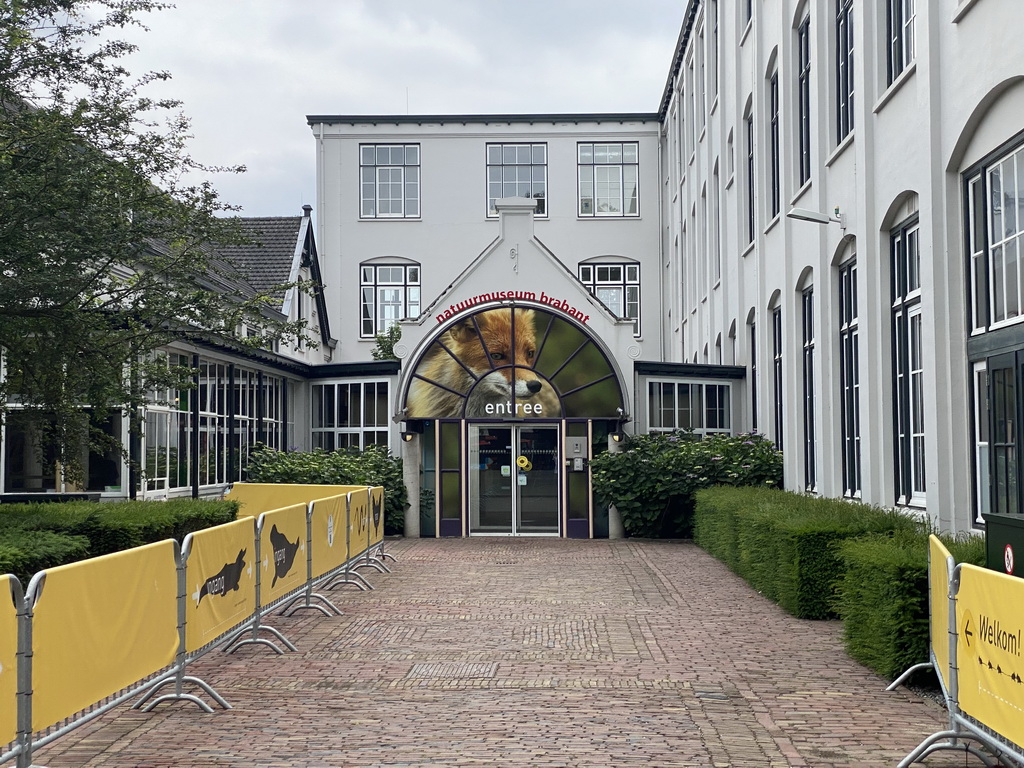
{"points": [[883, 596], [373, 466], [116, 526], [784, 544], [25, 552]]}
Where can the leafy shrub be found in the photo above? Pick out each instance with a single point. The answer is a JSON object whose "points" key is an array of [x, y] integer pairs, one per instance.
{"points": [[25, 552], [373, 466], [652, 481], [883, 596]]}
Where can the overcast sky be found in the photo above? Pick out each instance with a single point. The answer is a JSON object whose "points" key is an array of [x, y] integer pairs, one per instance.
{"points": [[249, 71]]}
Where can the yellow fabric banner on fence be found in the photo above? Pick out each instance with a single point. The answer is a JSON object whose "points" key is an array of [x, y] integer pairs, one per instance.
{"points": [[10, 595], [358, 522], [257, 498], [220, 581], [102, 625], [990, 655], [376, 515], [938, 604], [329, 544], [282, 552]]}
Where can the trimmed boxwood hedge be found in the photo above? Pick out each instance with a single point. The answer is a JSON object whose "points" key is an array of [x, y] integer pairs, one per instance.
{"points": [[882, 597], [71, 531], [821, 558]]}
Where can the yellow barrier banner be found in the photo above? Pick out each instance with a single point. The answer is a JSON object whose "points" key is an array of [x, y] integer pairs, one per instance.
{"points": [[10, 595], [358, 522], [376, 515], [282, 552], [102, 625], [990, 623], [938, 604], [257, 498], [220, 581], [329, 543]]}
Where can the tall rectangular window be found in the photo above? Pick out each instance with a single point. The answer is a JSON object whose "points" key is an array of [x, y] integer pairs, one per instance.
{"points": [[774, 203], [849, 378], [751, 218], [908, 365], [900, 27], [810, 438], [713, 52], [844, 68], [753, 377], [617, 286], [389, 181], [517, 170], [803, 91], [779, 393], [716, 227], [609, 176], [388, 293]]}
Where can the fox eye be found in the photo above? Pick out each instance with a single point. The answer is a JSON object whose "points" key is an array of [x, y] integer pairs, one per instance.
{"points": [[530, 353], [497, 355]]}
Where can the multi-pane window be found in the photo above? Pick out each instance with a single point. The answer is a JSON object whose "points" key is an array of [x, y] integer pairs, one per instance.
{"points": [[350, 415], [703, 408], [389, 181], [713, 52], [900, 26], [844, 68], [389, 293], [810, 440], [517, 170], [751, 219], [716, 227], [849, 377], [996, 240], [908, 364], [618, 288], [779, 393], [982, 456], [609, 176], [774, 201], [803, 95]]}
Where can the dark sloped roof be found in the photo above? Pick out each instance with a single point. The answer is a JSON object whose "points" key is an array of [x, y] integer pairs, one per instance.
{"points": [[266, 261]]}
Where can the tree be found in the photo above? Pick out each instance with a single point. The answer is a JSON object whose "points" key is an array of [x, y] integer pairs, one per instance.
{"points": [[108, 250], [385, 349]]}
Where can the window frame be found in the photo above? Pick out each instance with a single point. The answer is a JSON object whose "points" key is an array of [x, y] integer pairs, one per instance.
{"points": [[803, 89], [849, 378], [542, 206], [845, 93], [901, 43], [408, 286], [775, 181], [810, 431], [777, 377], [408, 175], [720, 404], [327, 431], [588, 273], [623, 166]]}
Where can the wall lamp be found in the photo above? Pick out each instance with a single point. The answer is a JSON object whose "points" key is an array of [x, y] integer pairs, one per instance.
{"points": [[617, 436], [817, 217], [408, 436]]}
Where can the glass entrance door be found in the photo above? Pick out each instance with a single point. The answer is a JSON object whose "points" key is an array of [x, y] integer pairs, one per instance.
{"points": [[513, 480]]}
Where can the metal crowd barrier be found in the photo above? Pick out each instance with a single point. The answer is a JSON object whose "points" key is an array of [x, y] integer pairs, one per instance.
{"points": [[976, 629], [85, 637]]}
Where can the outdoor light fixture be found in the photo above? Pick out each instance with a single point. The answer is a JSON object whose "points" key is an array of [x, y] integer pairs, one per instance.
{"points": [[617, 436], [408, 436], [817, 217]]}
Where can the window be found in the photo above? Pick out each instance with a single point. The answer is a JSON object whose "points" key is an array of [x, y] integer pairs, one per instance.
{"points": [[389, 293], [810, 441], [350, 415], [908, 365], [753, 377], [849, 377], [713, 52], [517, 170], [803, 92], [700, 407], [608, 179], [389, 181], [700, 100], [995, 240], [716, 227], [777, 374], [982, 466], [900, 26], [844, 68], [618, 288], [773, 141], [751, 219]]}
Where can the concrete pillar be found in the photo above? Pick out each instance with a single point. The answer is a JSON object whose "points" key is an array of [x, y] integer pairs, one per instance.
{"points": [[411, 473], [615, 527]]}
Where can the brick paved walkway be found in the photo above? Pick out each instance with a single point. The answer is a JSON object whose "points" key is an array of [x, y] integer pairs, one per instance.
{"points": [[533, 652]]}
